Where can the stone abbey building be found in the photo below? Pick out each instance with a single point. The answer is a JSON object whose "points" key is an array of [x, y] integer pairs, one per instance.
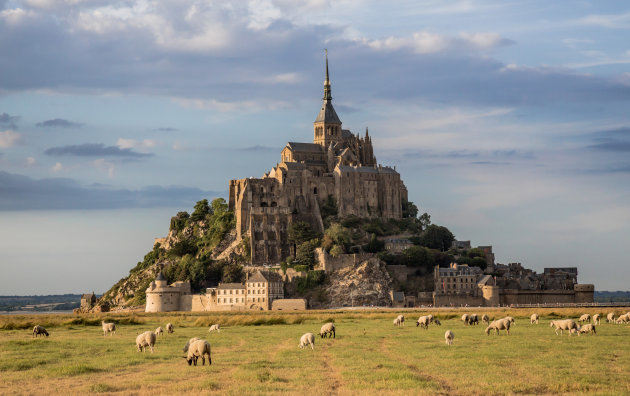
{"points": [[338, 165]]}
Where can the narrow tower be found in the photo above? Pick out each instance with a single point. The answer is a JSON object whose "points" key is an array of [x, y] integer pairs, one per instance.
{"points": [[327, 126]]}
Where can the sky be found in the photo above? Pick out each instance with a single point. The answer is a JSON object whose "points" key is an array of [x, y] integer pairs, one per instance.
{"points": [[507, 120]]}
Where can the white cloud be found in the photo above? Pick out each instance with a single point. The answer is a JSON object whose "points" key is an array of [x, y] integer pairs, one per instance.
{"points": [[9, 138], [226, 107], [426, 42], [262, 13], [610, 21], [57, 168], [136, 144]]}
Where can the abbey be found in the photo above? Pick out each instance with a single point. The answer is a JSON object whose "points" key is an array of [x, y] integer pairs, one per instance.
{"points": [[338, 167]]}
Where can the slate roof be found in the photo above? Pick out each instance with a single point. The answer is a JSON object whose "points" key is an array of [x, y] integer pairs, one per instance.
{"points": [[231, 286], [310, 147], [328, 114], [160, 277], [265, 276]]}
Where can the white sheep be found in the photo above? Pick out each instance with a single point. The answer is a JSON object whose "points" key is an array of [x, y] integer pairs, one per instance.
{"points": [[511, 319], [566, 324], [437, 322], [108, 328], [431, 319], [610, 318], [199, 349], [533, 318], [144, 340], [485, 318], [215, 327], [169, 328], [465, 318], [400, 320], [625, 318], [159, 331], [190, 342], [587, 328], [597, 319], [473, 319], [37, 330], [327, 329], [585, 318], [448, 337], [306, 340], [499, 324], [423, 321]]}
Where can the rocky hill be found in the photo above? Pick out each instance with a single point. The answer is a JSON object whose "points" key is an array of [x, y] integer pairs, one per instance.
{"points": [[367, 283]]}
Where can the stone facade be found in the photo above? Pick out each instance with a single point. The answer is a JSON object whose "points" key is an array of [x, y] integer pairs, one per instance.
{"points": [[161, 297], [338, 164], [88, 301]]}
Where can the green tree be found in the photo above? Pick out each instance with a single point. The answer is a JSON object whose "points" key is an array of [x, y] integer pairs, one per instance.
{"points": [[409, 209], [305, 254], [476, 252], [437, 237], [339, 235], [178, 222], [425, 220], [375, 245], [418, 256], [219, 205], [202, 209], [329, 207], [300, 232], [479, 262], [232, 273]]}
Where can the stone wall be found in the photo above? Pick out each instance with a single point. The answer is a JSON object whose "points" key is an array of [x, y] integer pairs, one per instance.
{"points": [[289, 304], [331, 264], [401, 272], [456, 300]]}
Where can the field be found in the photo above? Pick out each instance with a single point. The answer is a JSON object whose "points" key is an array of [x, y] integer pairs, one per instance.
{"points": [[258, 354]]}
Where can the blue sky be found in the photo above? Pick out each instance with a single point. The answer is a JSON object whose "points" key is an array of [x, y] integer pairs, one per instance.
{"points": [[507, 120]]}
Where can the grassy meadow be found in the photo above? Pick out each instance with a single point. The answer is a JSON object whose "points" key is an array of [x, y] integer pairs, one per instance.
{"points": [[257, 353]]}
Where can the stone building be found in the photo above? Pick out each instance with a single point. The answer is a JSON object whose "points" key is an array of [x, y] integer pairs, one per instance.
{"points": [[161, 297], [338, 165], [88, 301]]}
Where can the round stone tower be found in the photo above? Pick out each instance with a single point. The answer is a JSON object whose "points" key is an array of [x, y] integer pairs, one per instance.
{"points": [[491, 296]]}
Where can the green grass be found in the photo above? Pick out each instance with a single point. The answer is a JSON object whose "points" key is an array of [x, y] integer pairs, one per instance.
{"points": [[257, 354]]}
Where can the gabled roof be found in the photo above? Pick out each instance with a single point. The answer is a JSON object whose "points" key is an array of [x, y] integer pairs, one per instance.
{"points": [[265, 276], [231, 286], [89, 295], [310, 147]]}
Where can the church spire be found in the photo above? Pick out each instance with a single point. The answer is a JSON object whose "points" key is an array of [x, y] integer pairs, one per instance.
{"points": [[327, 92]]}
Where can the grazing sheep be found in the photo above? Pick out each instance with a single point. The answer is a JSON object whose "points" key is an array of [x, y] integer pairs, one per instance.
{"points": [[625, 318], [144, 340], [306, 340], [199, 349], [465, 318], [597, 319], [499, 324], [400, 320], [511, 319], [431, 319], [566, 324], [215, 327], [473, 319], [169, 328], [485, 318], [423, 321], [327, 329], [533, 318], [585, 318], [437, 322], [448, 337], [189, 343], [159, 331], [37, 330], [610, 317], [108, 328], [587, 328]]}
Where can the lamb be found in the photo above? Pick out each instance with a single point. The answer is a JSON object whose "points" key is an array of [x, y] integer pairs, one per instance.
{"points": [[566, 324], [37, 330], [215, 327], [437, 322], [423, 321], [533, 318], [587, 328], [108, 328], [199, 348], [448, 336], [189, 343], [585, 318], [327, 329], [499, 324], [144, 340], [473, 319], [169, 328], [597, 319], [306, 340], [485, 318], [465, 318], [400, 320], [159, 331], [610, 317]]}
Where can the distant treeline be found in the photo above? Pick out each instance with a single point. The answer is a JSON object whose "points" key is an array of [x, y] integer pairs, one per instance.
{"points": [[612, 296], [54, 302]]}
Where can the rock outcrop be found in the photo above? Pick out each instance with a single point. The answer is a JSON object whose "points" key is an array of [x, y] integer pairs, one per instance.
{"points": [[366, 283]]}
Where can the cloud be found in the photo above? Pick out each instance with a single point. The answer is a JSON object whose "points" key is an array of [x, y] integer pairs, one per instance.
{"points": [[426, 42], [9, 138], [57, 167], [165, 129], [95, 150], [136, 144], [20, 192], [31, 161], [8, 121], [614, 140], [610, 21], [59, 123]]}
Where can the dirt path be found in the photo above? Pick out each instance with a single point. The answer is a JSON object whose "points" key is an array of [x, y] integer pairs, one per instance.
{"points": [[331, 373]]}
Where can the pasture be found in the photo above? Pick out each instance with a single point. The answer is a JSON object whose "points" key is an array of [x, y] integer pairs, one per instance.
{"points": [[257, 353]]}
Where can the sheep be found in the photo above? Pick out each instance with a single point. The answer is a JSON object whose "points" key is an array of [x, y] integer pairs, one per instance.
{"points": [[533, 318], [465, 318], [327, 329], [199, 348], [108, 328], [189, 343], [423, 321], [431, 319], [610, 317], [169, 328], [215, 327], [37, 330], [597, 319], [511, 319], [473, 319], [400, 320], [448, 337], [625, 318], [566, 324], [144, 340], [485, 318], [499, 324], [587, 328], [585, 318], [437, 322], [159, 331], [306, 340]]}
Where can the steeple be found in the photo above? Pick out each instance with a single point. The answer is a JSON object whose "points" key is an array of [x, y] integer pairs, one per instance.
{"points": [[327, 92], [327, 125]]}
